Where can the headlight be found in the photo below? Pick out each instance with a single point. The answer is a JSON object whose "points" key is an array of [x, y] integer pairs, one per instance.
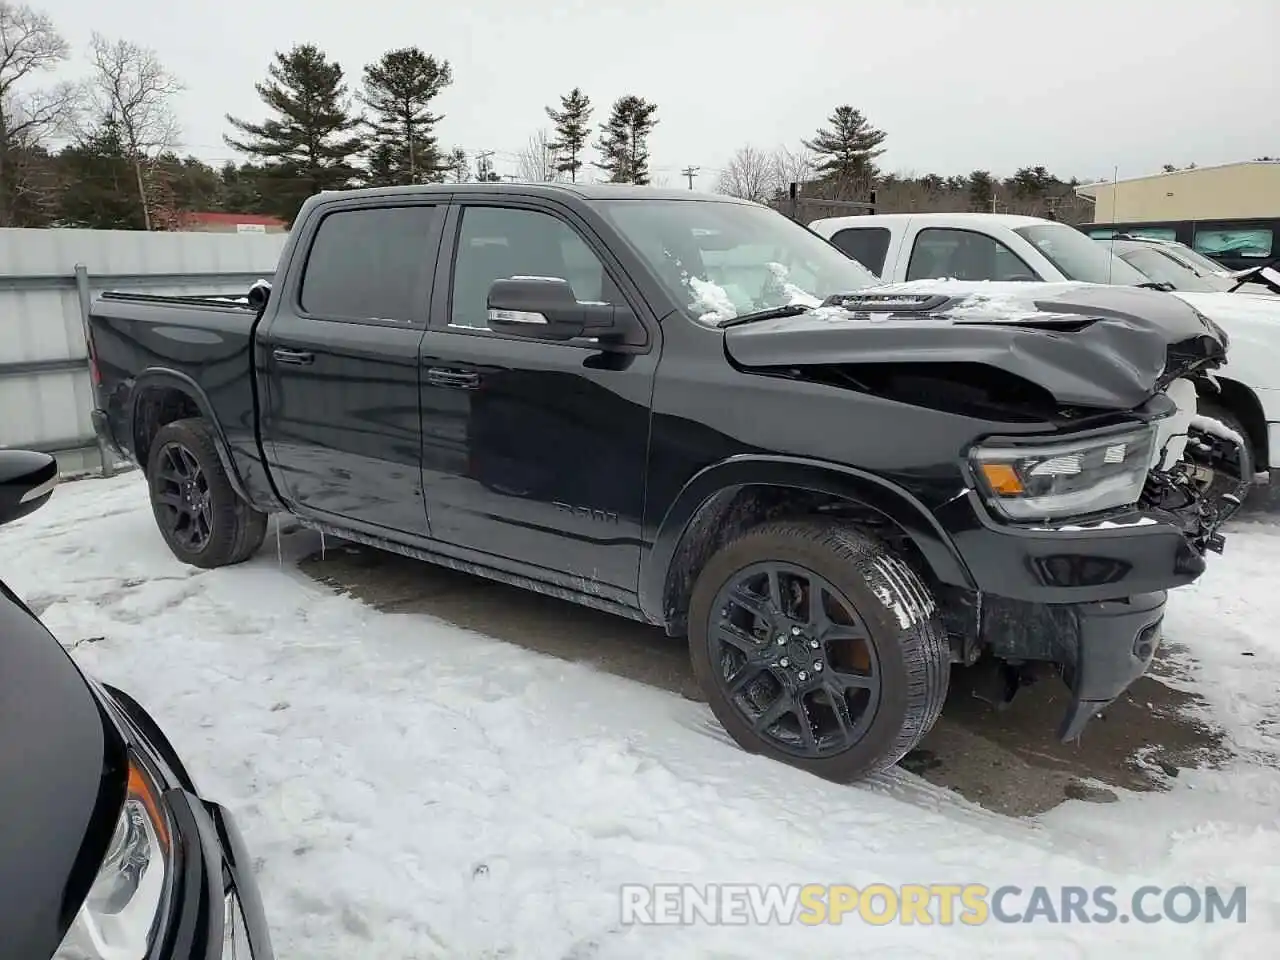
{"points": [[120, 917], [1065, 478]]}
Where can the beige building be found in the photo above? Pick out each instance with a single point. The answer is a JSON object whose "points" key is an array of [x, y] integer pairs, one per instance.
{"points": [[1248, 190]]}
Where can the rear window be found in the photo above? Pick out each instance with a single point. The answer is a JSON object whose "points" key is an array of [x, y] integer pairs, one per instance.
{"points": [[1253, 242], [370, 264], [867, 245]]}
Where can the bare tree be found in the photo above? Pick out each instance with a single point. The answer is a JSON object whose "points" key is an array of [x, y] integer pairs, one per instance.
{"points": [[792, 166], [132, 90], [749, 175], [537, 162], [29, 45]]}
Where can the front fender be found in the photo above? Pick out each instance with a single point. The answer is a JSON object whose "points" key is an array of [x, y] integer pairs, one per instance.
{"points": [[813, 476]]}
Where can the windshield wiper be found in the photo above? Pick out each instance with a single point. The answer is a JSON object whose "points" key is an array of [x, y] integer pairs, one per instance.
{"points": [[773, 313], [1163, 285]]}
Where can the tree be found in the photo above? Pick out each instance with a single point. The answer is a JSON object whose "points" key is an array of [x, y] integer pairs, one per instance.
{"points": [[847, 152], [310, 144], [399, 89], [982, 191], [458, 165], [100, 183], [750, 175], [537, 161], [791, 166], [623, 142], [30, 45], [241, 188], [133, 90], [573, 126]]}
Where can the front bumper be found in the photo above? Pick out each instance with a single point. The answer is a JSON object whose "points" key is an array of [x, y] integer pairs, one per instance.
{"points": [[1089, 598], [1127, 555], [216, 910]]}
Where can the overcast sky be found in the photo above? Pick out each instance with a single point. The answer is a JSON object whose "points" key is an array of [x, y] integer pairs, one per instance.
{"points": [[1080, 86]]}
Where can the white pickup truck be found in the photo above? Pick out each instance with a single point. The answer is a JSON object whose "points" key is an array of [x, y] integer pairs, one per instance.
{"points": [[996, 247]]}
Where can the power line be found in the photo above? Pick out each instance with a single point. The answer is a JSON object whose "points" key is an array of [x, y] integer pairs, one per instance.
{"points": [[690, 172]]}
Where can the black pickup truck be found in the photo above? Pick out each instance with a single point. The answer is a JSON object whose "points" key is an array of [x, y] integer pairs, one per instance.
{"points": [[692, 411]]}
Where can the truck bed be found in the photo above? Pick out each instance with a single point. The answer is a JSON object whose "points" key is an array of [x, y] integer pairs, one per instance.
{"points": [[201, 344]]}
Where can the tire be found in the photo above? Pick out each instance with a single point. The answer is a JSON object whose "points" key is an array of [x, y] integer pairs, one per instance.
{"points": [[1224, 485], [215, 528], [904, 646]]}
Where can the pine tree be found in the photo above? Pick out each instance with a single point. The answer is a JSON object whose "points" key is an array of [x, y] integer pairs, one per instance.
{"points": [[399, 89], [573, 126], [848, 151], [100, 192], [982, 191], [310, 144], [623, 141]]}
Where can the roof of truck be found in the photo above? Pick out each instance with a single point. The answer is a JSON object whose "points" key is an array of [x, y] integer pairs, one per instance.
{"points": [[584, 191], [1010, 220]]}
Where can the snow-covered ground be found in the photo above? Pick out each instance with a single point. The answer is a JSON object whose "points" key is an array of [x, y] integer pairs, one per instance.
{"points": [[414, 790]]}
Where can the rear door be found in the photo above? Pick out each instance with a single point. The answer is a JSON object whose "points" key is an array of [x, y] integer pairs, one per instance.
{"points": [[340, 405]]}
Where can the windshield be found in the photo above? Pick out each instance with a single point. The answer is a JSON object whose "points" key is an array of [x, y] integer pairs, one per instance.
{"points": [[1156, 265], [1196, 260], [721, 260], [1078, 257]]}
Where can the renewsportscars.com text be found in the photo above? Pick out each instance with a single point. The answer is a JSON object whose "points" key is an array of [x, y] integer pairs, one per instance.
{"points": [[926, 904]]}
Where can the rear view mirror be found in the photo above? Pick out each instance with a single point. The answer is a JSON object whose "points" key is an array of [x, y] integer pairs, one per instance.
{"points": [[27, 480], [546, 308]]}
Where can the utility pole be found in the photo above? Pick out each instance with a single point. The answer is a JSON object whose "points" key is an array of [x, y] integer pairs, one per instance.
{"points": [[482, 163], [690, 172]]}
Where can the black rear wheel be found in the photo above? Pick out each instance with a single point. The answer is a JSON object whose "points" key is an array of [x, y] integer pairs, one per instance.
{"points": [[817, 646], [200, 515]]}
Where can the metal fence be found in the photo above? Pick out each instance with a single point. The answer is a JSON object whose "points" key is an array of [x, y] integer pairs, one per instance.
{"points": [[49, 279]]}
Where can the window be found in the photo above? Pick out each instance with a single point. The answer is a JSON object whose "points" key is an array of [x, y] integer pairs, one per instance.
{"points": [[939, 253], [720, 259], [867, 245], [497, 243], [1079, 258], [372, 264], [1153, 233], [1162, 268], [1246, 242]]}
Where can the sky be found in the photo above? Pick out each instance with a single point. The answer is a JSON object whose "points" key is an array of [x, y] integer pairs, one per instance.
{"points": [[1089, 88]]}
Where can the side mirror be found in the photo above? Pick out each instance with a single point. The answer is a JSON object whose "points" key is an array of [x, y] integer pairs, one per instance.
{"points": [[27, 480], [545, 308], [258, 294]]}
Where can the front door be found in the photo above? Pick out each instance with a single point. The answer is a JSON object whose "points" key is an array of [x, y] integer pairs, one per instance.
{"points": [[340, 355], [533, 451]]}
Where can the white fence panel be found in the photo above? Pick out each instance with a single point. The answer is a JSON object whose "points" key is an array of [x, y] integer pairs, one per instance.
{"points": [[45, 392]]}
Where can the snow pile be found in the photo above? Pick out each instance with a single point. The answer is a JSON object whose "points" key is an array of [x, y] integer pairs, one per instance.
{"points": [[415, 790]]}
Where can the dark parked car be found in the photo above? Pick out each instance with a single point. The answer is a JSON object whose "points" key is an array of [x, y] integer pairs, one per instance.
{"points": [[692, 411], [107, 850]]}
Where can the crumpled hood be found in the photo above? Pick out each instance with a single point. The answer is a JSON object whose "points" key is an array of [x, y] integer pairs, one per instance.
{"points": [[1089, 345]]}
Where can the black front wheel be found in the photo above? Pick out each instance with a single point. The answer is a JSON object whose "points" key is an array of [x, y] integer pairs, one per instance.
{"points": [[818, 646], [200, 515]]}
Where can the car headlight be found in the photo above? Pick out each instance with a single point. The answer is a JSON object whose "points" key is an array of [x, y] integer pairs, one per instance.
{"points": [[129, 898], [1063, 478]]}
